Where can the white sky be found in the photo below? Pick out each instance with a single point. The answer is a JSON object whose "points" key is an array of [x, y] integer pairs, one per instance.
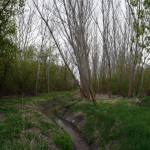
{"points": [[36, 26]]}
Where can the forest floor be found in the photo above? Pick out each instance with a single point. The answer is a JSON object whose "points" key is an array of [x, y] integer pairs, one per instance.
{"points": [[60, 120]]}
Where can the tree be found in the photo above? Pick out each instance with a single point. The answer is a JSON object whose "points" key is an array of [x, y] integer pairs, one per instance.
{"points": [[8, 48], [140, 10], [74, 29]]}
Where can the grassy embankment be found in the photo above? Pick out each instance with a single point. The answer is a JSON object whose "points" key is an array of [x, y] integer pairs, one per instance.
{"points": [[114, 124], [117, 124], [23, 126]]}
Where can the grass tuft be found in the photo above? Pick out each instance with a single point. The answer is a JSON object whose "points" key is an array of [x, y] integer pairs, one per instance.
{"points": [[63, 141]]}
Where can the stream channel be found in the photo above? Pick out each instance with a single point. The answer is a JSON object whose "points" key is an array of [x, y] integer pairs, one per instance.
{"points": [[78, 141]]}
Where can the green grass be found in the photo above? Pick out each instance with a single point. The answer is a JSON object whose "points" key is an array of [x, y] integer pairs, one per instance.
{"points": [[11, 126], [63, 141], [56, 94], [123, 123], [23, 125], [59, 136], [39, 97]]}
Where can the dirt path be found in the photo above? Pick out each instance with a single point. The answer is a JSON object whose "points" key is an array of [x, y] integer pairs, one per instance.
{"points": [[78, 141]]}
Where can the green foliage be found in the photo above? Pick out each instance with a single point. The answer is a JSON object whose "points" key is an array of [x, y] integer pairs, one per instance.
{"points": [[121, 77], [60, 78], [20, 78], [104, 84], [8, 49], [134, 2], [141, 14], [145, 101], [7, 22], [146, 3], [115, 84], [141, 24]]}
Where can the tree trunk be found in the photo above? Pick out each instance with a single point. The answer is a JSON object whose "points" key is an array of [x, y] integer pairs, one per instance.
{"points": [[109, 82], [37, 78], [130, 92]]}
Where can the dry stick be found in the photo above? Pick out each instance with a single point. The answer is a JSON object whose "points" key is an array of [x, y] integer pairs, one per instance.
{"points": [[51, 32]]}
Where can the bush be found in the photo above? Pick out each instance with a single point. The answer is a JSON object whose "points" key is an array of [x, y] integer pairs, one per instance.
{"points": [[145, 101]]}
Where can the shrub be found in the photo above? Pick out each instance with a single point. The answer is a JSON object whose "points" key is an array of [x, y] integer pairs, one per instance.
{"points": [[145, 101]]}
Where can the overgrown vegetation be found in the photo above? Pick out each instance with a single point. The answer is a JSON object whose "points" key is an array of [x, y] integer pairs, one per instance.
{"points": [[116, 125], [24, 126], [145, 101]]}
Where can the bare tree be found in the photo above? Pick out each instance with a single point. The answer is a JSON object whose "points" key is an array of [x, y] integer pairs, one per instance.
{"points": [[75, 22]]}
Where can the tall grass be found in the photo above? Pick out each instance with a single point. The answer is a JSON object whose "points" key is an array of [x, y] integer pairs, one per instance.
{"points": [[123, 123]]}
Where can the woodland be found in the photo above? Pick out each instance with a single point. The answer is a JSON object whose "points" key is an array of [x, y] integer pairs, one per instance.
{"points": [[74, 74], [99, 47]]}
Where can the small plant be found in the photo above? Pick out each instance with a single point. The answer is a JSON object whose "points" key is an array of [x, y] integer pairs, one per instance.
{"points": [[145, 101], [63, 141]]}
